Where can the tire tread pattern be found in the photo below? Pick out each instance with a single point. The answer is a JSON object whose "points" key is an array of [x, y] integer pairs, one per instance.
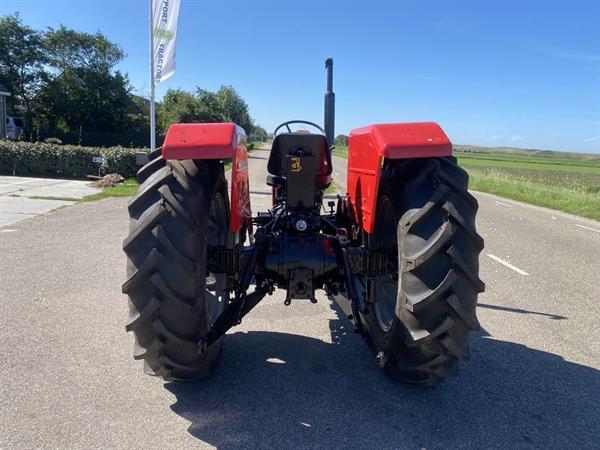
{"points": [[165, 261], [439, 314], [438, 270]]}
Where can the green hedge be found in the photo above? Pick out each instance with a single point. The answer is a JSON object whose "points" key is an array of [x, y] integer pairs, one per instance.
{"points": [[129, 138], [64, 161]]}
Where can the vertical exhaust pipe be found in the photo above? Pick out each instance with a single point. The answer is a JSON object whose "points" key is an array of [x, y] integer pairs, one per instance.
{"points": [[329, 104]]}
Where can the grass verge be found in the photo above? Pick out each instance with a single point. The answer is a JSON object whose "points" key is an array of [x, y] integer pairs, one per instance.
{"points": [[569, 185], [568, 192], [125, 189]]}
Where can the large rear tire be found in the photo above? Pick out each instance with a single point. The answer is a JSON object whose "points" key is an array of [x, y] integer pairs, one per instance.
{"points": [[180, 206], [420, 320]]}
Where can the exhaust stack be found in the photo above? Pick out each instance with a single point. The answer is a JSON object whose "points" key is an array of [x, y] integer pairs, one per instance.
{"points": [[329, 104]]}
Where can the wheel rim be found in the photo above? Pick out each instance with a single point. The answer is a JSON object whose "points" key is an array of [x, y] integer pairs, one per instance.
{"points": [[386, 286], [216, 283]]}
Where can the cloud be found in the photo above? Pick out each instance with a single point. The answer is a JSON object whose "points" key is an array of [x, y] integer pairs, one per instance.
{"points": [[496, 137], [592, 139], [516, 137]]}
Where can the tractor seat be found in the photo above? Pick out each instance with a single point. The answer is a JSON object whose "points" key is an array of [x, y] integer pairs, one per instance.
{"points": [[311, 144]]}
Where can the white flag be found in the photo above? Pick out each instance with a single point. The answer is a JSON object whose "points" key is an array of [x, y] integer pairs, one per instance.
{"points": [[164, 32]]}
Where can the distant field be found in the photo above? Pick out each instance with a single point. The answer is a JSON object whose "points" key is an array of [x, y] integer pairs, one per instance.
{"points": [[529, 153], [499, 160], [558, 180], [572, 186]]}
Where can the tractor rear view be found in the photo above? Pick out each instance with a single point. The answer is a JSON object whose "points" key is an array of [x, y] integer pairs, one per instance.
{"points": [[399, 252]]}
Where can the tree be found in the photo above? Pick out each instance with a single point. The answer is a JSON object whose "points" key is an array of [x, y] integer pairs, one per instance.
{"points": [[177, 106], [84, 93], [75, 50], [22, 60], [341, 140], [225, 105], [92, 101], [260, 134], [210, 107], [234, 108], [139, 114]]}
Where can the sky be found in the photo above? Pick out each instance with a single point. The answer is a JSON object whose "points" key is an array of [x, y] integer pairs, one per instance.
{"points": [[493, 73]]}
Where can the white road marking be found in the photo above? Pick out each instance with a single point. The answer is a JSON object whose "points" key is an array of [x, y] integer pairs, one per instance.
{"points": [[7, 230], [503, 204], [509, 265], [587, 228]]}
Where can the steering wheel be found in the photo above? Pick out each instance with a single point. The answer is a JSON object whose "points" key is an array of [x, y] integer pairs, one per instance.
{"points": [[306, 122]]}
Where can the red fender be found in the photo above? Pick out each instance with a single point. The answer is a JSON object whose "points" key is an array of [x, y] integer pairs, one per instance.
{"points": [[370, 145], [216, 141]]}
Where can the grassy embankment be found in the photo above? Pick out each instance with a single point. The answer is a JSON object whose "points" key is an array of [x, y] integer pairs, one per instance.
{"points": [[568, 182]]}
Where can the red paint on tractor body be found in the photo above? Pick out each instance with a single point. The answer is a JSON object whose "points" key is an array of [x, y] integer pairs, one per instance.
{"points": [[201, 140], [369, 146], [241, 212], [216, 141]]}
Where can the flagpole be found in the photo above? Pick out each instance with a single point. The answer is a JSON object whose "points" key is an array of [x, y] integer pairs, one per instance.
{"points": [[152, 110]]}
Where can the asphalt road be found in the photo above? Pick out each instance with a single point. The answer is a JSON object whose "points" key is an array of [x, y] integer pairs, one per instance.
{"points": [[298, 376]]}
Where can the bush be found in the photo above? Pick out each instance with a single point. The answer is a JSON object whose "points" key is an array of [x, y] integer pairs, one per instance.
{"points": [[64, 161]]}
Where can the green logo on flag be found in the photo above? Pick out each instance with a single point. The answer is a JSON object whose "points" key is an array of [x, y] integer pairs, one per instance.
{"points": [[163, 33]]}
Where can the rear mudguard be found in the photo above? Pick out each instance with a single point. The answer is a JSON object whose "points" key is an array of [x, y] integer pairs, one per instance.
{"points": [[216, 141], [368, 148]]}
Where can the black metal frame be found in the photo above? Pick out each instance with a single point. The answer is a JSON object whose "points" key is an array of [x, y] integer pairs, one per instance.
{"points": [[295, 246], [330, 260]]}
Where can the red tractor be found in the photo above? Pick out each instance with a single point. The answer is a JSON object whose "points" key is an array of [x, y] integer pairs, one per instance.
{"points": [[399, 252]]}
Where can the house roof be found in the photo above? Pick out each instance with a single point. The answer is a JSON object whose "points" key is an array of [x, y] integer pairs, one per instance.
{"points": [[3, 90]]}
